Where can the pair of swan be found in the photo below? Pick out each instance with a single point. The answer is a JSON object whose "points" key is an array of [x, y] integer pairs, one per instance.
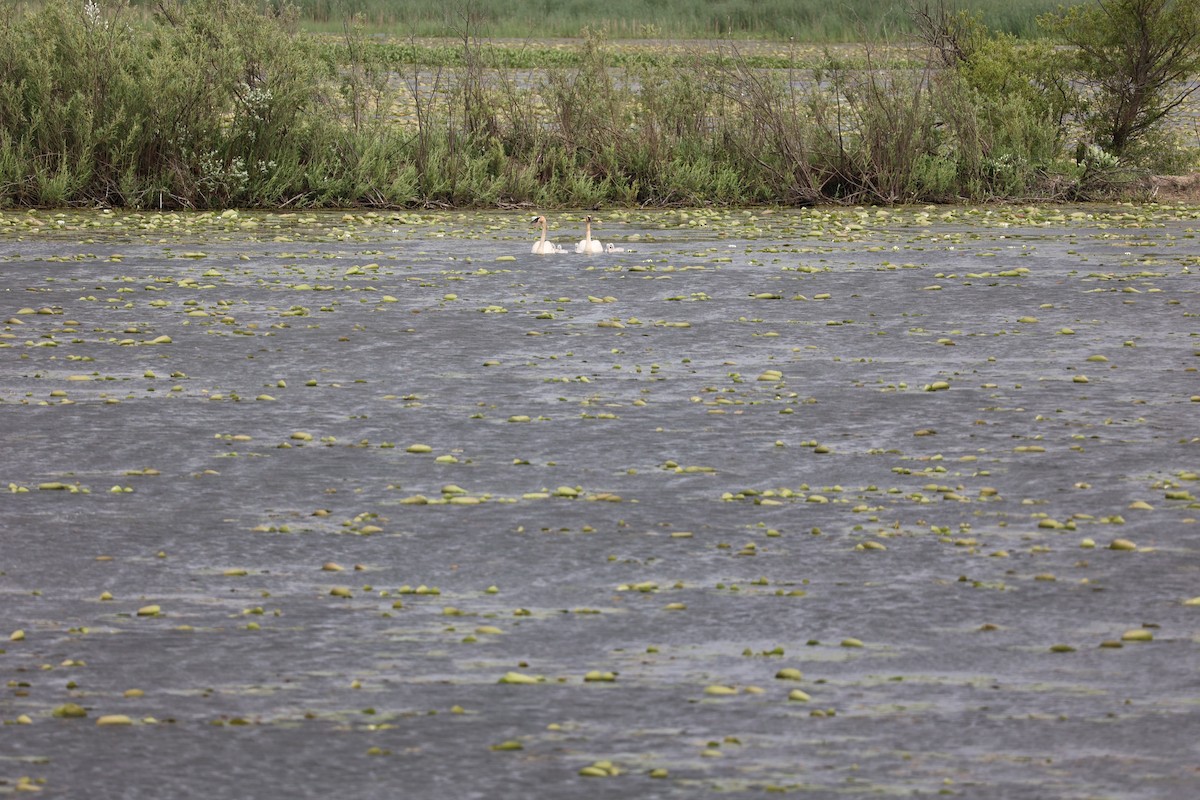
{"points": [[587, 245]]}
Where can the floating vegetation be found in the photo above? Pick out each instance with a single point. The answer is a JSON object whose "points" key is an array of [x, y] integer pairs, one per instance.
{"points": [[708, 553]]}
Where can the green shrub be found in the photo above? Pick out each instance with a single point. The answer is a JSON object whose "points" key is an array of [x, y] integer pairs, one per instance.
{"points": [[1137, 57], [213, 103]]}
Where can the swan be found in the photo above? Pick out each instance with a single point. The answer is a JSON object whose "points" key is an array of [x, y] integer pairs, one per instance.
{"points": [[541, 246], [612, 248], [587, 245]]}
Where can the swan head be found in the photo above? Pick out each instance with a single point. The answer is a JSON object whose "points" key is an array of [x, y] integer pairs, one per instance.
{"points": [[537, 220]]}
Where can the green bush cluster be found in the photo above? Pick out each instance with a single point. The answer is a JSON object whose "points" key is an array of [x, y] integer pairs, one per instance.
{"points": [[213, 103]]}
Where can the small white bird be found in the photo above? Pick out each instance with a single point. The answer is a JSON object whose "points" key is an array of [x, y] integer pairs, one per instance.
{"points": [[587, 245], [541, 246], [612, 248]]}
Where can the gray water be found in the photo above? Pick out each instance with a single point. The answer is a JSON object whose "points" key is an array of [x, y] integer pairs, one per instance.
{"points": [[639, 496]]}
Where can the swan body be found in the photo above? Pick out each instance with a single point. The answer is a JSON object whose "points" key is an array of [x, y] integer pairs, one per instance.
{"points": [[542, 246], [612, 248], [587, 245]]}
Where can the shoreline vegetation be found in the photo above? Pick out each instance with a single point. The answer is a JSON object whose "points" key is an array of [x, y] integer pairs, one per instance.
{"points": [[219, 103], [809, 21]]}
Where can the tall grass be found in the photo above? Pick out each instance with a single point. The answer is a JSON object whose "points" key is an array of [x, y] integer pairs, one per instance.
{"points": [[811, 21], [803, 20], [216, 104]]}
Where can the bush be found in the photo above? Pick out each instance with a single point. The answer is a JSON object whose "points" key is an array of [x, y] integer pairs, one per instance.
{"points": [[1137, 58], [213, 103]]}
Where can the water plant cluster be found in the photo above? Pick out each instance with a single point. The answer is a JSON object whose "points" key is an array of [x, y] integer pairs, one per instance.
{"points": [[813, 503], [216, 103]]}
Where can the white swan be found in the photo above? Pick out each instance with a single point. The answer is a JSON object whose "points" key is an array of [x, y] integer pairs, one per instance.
{"points": [[541, 246], [612, 248], [587, 245]]}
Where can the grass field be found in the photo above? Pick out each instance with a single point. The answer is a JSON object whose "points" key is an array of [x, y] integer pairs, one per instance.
{"points": [[810, 21], [802, 20]]}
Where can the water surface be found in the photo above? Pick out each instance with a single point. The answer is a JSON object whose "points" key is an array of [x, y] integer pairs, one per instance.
{"points": [[750, 442]]}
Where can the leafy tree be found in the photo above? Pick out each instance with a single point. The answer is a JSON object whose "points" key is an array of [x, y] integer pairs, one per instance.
{"points": [[1136, 59]]}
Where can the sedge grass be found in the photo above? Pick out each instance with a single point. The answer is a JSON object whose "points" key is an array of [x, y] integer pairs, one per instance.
{"points": [[802, 20]]}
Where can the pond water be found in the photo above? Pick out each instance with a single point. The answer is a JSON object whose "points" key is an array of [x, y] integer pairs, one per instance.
{"points": [[822, 502]]}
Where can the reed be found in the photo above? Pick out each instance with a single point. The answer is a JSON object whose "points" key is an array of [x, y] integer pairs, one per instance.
{"points": [[807, 21], [802, 20]]}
